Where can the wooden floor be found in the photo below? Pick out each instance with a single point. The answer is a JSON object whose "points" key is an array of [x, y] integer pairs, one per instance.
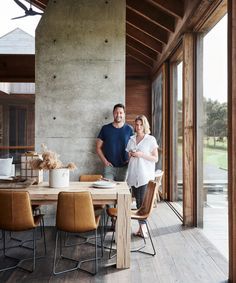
{"points": [[183, 255]]}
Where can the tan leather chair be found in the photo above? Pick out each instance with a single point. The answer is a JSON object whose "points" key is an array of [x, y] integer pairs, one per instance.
{"points": [[75, 214], [90, 178], [16, 215], [140, 214], [99, 208]]}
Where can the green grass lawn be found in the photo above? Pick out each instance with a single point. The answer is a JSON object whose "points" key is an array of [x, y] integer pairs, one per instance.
{"points": [[217, 144], [217, 157], [213, 156]]}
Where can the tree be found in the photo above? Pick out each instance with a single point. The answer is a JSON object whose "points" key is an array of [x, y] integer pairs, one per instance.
{"points": [[216, 119]]}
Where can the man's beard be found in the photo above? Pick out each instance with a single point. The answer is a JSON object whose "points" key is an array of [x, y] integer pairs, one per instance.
{"points": [[118, 120]]}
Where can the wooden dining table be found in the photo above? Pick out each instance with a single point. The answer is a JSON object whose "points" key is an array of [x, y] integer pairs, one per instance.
{"points": [[119, 195]]}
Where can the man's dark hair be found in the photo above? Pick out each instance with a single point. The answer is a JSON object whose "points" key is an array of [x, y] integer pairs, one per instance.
{"points": [[119, 105]]}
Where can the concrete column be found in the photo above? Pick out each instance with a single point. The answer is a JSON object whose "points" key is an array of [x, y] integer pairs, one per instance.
{"points": [[80, 75]]}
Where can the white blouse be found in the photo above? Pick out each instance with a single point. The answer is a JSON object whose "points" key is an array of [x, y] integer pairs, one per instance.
{"points": [[140, 170]]}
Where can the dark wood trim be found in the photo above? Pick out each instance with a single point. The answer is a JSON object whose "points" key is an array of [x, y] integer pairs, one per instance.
{"points": [[31, 147], [17, 68], [143, 38], [188, 130], [152, 13], [15, 98], [139, 52], [138, 56], [141, 48], [39, 4], [232, 137], [146, 26], [173, 7], [210, 16]]}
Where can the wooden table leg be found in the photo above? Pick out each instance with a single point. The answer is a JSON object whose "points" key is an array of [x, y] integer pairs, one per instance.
{"points": [[123, 230]]}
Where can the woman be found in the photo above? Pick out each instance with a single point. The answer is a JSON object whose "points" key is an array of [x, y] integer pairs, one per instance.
{"points": [[143, 154]]}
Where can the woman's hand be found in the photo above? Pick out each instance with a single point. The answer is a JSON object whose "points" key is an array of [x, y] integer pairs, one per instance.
{"points": [[153, 156], [137, 154]]}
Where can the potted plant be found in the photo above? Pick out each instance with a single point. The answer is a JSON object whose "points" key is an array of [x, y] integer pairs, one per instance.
{"points": [[58, 173]]}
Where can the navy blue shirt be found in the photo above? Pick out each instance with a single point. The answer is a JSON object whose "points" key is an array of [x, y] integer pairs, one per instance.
{"points": [[114, 143]]}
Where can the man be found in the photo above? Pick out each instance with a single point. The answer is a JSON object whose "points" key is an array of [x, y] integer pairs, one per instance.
{"points": [[111, 145]]}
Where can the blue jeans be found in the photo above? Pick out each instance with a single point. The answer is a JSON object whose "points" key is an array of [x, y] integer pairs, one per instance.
{"points": [[115, 173]]}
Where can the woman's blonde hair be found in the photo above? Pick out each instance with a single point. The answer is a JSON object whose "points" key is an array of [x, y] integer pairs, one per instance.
{"points": [[144, 120]]}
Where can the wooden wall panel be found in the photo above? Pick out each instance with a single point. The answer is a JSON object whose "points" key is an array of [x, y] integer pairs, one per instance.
{"points": [[138, 90], [232, 137], [24, 101], [17, 68]]}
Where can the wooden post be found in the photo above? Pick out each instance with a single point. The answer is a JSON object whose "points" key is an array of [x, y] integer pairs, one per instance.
{"points": [[232, 137], [123, 230], [188, 127]]}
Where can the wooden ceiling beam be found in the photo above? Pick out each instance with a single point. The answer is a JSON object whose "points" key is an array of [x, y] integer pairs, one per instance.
{"points": [[141, 48], [143, 38], [146, 26], [139, 54], [137, 57], [172, 7], [152, 13]]}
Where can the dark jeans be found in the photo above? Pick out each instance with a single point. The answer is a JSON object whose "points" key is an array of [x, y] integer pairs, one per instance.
{"points": [[139, 194]]}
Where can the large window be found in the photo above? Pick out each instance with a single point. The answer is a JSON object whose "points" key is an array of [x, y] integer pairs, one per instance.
{"points": [[176, 111], [212, 137]]}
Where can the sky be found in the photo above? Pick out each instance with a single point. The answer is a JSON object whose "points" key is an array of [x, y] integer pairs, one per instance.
{"points": [[9, 9], [215, 62]]}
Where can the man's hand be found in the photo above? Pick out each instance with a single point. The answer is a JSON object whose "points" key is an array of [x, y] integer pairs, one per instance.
{"points": [[99, 144], [107, 163]]}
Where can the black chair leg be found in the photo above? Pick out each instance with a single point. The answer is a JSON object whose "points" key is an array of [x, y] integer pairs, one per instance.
{"points": [[140, 249], [19, 261], [112, 238], [87, 239]]}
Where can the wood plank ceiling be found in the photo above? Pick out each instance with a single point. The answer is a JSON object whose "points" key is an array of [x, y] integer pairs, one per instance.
{"points": [[149, 24]]}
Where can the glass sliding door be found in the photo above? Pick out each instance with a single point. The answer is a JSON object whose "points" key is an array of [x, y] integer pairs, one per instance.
{"points": [[176, 195], [212, 137]]}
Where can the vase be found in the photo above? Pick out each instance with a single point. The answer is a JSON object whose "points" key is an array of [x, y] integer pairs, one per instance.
{"points": [[59, 178]]}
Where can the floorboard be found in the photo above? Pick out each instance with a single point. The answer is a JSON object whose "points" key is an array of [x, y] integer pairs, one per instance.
{"points": [[184, 255]]}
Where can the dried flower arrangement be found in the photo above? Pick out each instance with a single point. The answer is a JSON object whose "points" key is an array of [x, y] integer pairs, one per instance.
{"points": [[50, 161]]}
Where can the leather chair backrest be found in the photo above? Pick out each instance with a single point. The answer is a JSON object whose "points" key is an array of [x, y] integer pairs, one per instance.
{"points": [[15, 211], [148, 201], [75, 212], [90, 178]]}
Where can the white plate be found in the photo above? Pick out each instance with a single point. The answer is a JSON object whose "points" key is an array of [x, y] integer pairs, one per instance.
{"points": [[103, 184]]}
